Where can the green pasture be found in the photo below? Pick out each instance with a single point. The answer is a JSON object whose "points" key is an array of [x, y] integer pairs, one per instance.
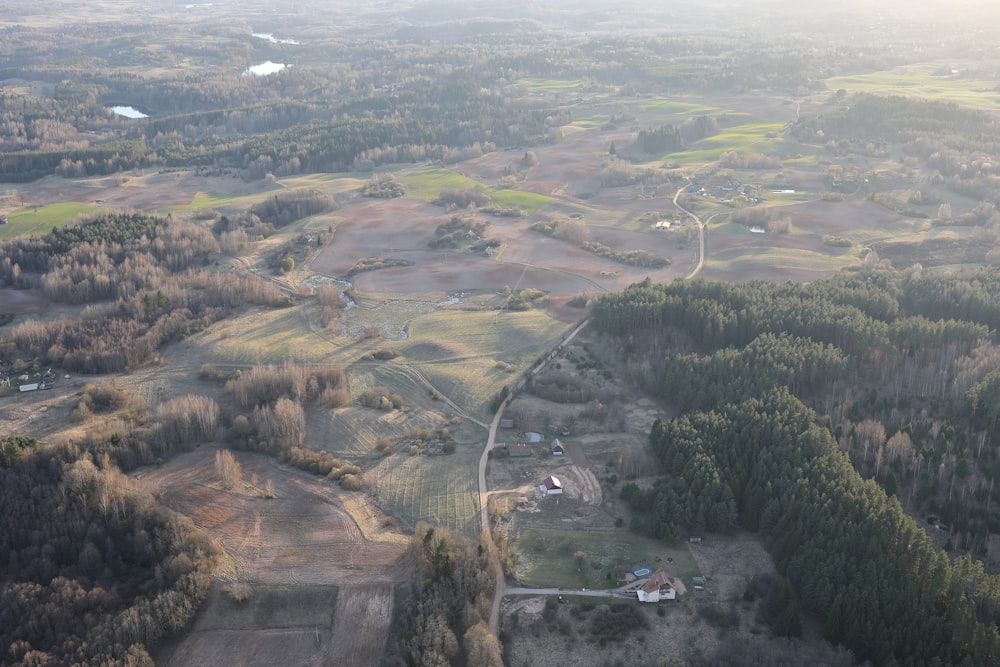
{"points": [[441, 490], [747, 138], [529, 202], [541, 85], [427, 184], [545, 557], [38, 220], [673, 107], [916, 83]]}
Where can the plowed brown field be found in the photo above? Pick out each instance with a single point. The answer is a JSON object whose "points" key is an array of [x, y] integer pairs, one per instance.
{"points": [[297, 552]]}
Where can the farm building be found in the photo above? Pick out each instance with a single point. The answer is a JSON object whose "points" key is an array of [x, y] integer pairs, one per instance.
{"points": [[519, 450], [551, 486], [660, 586], [506, 423], [558, 449]]}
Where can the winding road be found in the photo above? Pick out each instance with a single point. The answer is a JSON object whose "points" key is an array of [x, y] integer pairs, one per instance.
{"points": [[701, 233]]}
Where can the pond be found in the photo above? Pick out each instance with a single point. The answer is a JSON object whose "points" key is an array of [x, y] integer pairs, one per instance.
{"points": [[265, 68], [129, 112]]}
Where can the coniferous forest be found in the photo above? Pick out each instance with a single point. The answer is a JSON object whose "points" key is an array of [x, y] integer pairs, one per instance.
{"points": [[813, 415]]}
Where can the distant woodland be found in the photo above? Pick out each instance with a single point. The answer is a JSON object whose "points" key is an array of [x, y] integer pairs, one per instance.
{"points": [[838, 419], [434, 90]]}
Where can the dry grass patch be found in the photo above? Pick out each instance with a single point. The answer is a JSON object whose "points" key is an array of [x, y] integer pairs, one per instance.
{"points": [[441, 490]]}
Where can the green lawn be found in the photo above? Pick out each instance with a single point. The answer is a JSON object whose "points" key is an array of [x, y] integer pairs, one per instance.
{"points": [[38, 220], [546, 557]]}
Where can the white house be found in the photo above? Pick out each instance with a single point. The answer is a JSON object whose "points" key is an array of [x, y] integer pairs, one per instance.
{"points": [[659, 586], [551, 486]]}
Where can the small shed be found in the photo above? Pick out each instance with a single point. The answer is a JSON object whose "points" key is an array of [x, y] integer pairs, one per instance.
{"points": [[558, 449], [29, 387], [506, 423], [551, 486]]}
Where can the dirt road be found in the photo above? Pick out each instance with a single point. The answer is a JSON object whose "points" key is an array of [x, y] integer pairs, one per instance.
{"points": [[484, 492]]}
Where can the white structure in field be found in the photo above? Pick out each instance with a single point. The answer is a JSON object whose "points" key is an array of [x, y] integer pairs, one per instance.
{"points": [[551, 486]]}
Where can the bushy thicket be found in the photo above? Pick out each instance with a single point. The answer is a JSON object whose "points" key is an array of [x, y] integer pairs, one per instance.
{"points": [[440, 616]]}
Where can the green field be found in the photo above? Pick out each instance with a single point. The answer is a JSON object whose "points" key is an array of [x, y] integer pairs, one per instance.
{"points": [[427, 184], [465, 368], [679, 108], [547, 84], [545, 557], [441, 490], [918, 83], [751, 138], [38, 220], [529, 202]]}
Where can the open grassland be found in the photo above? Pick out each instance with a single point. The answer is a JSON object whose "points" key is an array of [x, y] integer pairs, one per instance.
{"points": [[547, 84], [441, 490], [329, 183], [474, 360], [675, 108], [37, 220], [917, 82], [754, 137], [546, 557], [353, 431], [752, 262], [427, 184], [529, 202]]}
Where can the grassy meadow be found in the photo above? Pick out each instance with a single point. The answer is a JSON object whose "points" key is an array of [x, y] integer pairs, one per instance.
{"points": [[546, 557], [39, 220]]}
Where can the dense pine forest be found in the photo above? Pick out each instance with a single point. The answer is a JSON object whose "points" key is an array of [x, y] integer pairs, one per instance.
{"points": [[841, 420]]}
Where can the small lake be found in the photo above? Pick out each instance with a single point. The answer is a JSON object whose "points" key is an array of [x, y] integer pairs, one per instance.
{"points": [[265, 68], [271, 38], [129, 112]]}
